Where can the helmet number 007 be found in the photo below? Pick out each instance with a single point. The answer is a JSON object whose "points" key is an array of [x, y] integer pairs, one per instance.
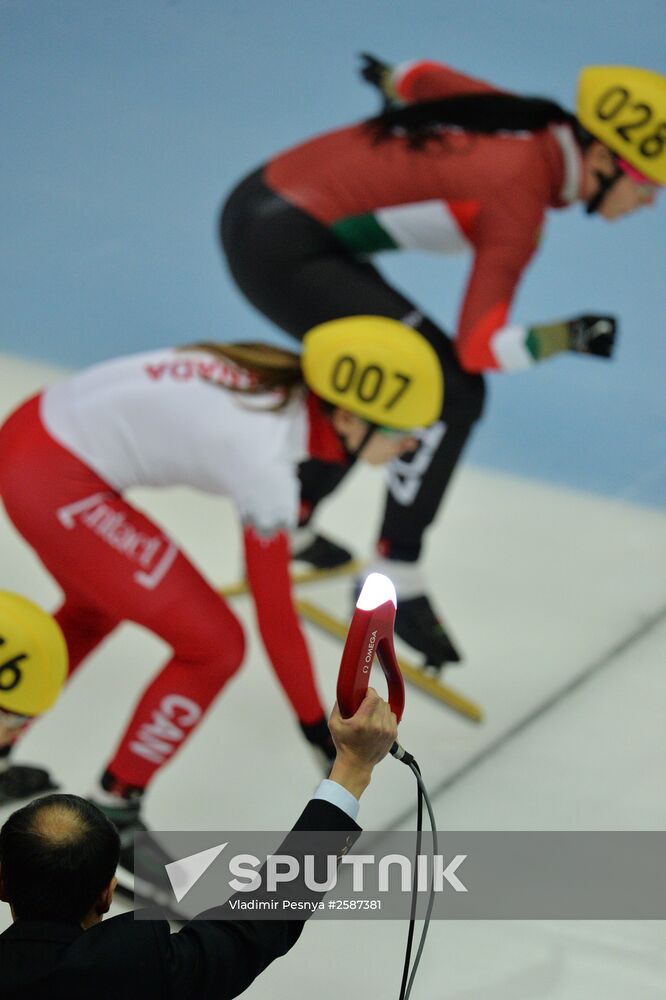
{"points": [[618, 99], [367, 382]]}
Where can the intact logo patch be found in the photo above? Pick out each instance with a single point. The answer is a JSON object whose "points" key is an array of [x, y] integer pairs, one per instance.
{"points": [[106, 515]]}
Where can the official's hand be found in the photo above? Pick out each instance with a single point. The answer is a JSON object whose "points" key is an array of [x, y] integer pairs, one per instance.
{"points": [[380, 75], [593, 335], [361, 741]]}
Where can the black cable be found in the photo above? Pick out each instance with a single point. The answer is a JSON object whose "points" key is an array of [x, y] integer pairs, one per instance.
{"points": [[412, 914], [431, 900], [421, 797]]}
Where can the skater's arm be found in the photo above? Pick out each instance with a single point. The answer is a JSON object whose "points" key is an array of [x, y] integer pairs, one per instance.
{"points": [[267, 566], [487, 340], [426, 80], [418, 80], [505, 237]]}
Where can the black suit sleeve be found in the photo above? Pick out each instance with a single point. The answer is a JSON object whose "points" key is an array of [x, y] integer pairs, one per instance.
{"points": [[220, 958]]}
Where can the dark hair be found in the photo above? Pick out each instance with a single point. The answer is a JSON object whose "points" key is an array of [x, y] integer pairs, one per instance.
{"points": [[482, 114], [57, 854]]}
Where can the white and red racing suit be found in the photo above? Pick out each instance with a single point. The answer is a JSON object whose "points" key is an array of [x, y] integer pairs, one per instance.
{"points": [[158, 419]]}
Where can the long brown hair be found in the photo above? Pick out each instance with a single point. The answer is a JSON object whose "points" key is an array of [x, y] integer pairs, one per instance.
{"points": [[266, 368]]}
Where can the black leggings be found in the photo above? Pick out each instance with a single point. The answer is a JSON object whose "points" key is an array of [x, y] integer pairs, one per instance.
{"points": [[297, 273]]}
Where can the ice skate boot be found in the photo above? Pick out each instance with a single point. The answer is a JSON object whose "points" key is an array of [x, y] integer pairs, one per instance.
{"points": [[20, 782], [317, 552], [416, 622]]}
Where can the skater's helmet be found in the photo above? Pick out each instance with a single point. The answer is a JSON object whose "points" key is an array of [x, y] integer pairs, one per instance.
{"points": [[378, 368], [625, 108], [33, 657]]}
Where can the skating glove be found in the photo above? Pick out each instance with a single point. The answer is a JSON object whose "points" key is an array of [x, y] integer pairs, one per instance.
{"points": [[380, 75], [593, 335]]}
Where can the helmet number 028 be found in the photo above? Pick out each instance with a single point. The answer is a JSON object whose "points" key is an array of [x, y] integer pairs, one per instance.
{"points": [[634, 115]]}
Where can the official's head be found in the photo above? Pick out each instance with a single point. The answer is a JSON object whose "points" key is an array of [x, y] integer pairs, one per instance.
{"points": [[58, 857]]}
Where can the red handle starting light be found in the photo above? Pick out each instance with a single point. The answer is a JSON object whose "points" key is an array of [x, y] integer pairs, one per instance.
{"points": [[371, 633]]}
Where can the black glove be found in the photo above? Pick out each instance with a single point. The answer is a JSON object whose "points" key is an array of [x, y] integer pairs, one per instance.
{"points": [[593, 335], [379, 75]]}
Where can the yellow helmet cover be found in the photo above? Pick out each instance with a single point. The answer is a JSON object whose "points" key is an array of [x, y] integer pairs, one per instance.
{"points": [[33, 657], [625, 108], [378, 368]]}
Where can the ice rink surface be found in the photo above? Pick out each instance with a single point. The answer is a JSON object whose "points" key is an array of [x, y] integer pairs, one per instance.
{"points": [[557, 599]]}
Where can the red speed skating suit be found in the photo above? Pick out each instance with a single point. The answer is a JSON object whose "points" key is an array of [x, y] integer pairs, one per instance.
{"points": [[160, 419], [299, 235], [485, 194]]}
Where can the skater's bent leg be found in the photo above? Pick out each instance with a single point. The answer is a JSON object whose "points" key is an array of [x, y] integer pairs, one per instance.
{"points": [[84, 627], [208, 644], [293, 269], [417, 484], [418, 481], [149, 582]]}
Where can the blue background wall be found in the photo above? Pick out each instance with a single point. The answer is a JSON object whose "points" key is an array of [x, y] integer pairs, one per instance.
{"points": [[125, 121]]}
